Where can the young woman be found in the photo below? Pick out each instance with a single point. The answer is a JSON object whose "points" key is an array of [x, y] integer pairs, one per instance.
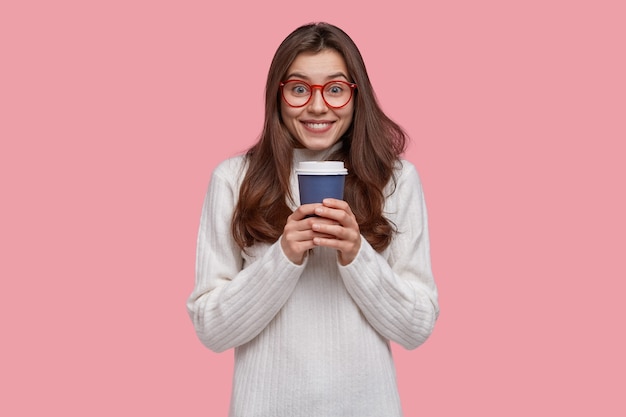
{"points": [[311, 303]]}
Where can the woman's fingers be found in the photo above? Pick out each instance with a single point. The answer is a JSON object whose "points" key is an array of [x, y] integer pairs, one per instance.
{"points": [[344, 229], [331, 224], [303, 211], [298, 234]]}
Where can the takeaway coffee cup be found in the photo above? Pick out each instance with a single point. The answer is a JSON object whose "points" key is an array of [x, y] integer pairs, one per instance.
{"points": [[318, 180]]}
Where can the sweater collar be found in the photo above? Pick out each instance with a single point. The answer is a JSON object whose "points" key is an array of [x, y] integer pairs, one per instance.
{"points": [[304, 154]]}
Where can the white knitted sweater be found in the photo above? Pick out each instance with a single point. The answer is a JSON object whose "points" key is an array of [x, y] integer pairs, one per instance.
{"points": [[313, 339]]}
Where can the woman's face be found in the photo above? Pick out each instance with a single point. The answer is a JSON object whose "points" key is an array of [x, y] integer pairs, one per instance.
{"points": [[316, 126]]}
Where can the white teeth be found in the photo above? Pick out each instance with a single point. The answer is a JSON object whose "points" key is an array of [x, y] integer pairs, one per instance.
{"points": [[317, 125]]}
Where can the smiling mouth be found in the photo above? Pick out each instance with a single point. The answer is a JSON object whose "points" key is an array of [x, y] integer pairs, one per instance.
{"points": [[317, 126]]}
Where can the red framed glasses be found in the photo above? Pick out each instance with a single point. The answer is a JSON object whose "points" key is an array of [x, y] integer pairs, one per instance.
{"points": [[298, 93]]}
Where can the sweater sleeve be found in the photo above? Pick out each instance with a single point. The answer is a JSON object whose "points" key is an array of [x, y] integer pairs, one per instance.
{"points": [[231, 302], [396, 292]]}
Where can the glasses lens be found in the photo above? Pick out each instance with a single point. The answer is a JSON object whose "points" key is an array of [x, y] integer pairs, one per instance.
{"points": [[336, 93], [296, 93]]}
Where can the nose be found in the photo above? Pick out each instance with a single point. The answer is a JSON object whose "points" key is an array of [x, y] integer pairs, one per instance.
{"points": [[317, 103]]}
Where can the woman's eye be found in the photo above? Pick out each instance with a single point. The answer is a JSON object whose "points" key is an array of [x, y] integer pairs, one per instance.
{"points": [[299, 89], [335, 89]]}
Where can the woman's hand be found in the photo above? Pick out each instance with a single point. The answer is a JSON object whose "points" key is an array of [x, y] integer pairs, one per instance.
{"points": [[298, 234], [337, 228]]}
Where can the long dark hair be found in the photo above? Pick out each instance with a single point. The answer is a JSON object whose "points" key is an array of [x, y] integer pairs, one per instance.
{"points": [[370, 149]]}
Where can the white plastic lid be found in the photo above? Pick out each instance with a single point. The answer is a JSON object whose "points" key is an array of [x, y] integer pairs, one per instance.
{"points": [[321, 168]]}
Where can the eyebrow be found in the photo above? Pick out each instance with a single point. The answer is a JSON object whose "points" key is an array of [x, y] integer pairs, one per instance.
{"points": [[330, 77]]}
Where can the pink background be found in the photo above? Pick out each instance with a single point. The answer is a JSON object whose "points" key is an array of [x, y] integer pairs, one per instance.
{"points": [[114, 113]]}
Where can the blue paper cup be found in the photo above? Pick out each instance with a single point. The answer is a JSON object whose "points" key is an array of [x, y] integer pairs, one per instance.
{"points": [[318, 180]]}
